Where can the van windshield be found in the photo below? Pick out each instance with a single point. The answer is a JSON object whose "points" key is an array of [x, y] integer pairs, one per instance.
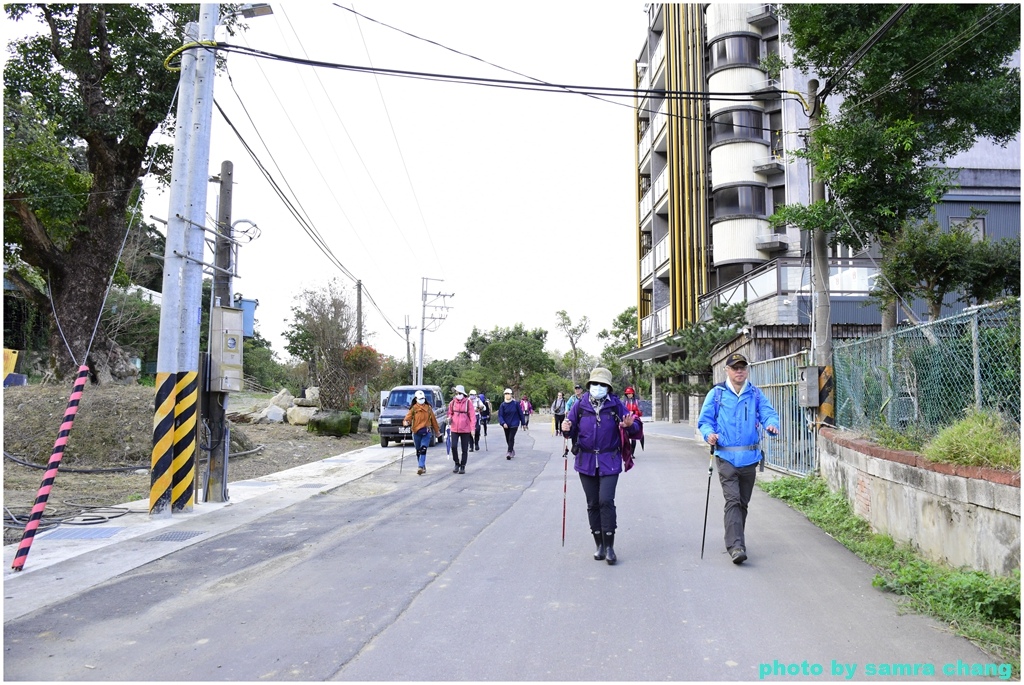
{"points": [[405, 398]]}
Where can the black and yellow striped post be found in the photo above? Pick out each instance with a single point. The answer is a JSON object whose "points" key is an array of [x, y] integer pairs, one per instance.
{"points": [[183, 466], [163, 445], [826, 396]]}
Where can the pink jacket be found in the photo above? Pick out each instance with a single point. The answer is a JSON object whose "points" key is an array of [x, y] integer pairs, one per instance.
{"points": [[461, 415]]}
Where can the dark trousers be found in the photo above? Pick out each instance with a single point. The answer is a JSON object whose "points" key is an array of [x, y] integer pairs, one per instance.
{"points": [[737, 487], [558, 423], [482, 421], [510, 437], [465, 439], [600, 492]]}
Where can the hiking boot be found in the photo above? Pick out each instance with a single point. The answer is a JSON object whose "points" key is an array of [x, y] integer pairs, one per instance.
{"points": [[477, 447], [738, 554], [508, 455], [599, 539], [462, 469], [456, 470], [470, 448], [609, 553], [420, 471]]}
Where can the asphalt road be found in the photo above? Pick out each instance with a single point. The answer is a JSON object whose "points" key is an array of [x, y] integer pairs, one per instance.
{"points": [[464, 577]]}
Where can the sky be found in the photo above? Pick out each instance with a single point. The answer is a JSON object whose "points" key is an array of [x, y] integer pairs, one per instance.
{"points": [[518, 203]]}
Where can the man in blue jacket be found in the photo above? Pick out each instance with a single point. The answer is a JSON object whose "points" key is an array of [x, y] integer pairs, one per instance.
{"points": [[729, 420]]}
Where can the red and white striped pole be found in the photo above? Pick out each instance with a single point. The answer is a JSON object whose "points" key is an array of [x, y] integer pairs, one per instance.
{"points": [[51, 470]]}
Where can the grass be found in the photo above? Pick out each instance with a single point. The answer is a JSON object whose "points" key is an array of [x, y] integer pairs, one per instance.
{"points": [[982, 438], [984, 609]]}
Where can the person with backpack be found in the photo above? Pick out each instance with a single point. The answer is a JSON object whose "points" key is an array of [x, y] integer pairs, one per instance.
{"points": [[730, 419], [527, 410], [633, 407], [424, 423], [598, 422], [462, 419], [558, 411], [510, 417], [482, 414]]}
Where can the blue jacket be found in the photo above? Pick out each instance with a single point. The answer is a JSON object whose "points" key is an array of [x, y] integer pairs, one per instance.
{"points": [[510, 414], [599, 441], [737, 425]]}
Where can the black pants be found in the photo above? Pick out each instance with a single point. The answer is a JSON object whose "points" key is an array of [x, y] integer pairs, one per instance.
{"points": [[558, 423], [476, 435], [737, 487], [465, 439], [510, 437], [600, 492]]}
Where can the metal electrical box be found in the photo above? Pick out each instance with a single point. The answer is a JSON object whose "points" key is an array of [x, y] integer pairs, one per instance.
{"points": [[808, 386], [226, 349]]}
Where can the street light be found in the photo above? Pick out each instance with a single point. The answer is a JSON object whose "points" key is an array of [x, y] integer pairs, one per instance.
{"points": [[255, 9]]}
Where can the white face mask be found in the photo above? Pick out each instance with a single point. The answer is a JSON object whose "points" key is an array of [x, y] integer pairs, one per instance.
{"points": [[421, 400], [598, 392], [459, 395]]}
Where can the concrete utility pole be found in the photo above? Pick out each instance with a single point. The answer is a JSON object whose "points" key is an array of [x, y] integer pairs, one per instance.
{"points": [[359, 312], [820, 285], [215, 489], [433, 319], [408, 350]]}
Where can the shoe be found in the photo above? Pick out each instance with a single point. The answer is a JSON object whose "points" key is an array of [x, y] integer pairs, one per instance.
{"points": [[513, 453], [477, 447], [599, 554], [470, 448], [609, 553], [739, 555], [420, 471], [456, 470], [508, 455], [462, 469]]}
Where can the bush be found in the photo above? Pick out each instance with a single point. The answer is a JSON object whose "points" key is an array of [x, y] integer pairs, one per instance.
{"points": [[982, 438]]}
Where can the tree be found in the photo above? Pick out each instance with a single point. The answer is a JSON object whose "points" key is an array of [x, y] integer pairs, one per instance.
{"points": [[512, 361], [259, 362], [99, 85], [696, 342], [320, 335], [927, 262], [573, 333], [622, 340]]}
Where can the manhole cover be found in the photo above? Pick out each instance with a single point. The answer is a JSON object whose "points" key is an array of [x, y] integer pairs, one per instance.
{"points": [[176, 535], [86, 533]]}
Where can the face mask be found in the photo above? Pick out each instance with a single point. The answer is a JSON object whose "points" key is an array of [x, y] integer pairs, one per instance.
{"points": [[459, 395], [421, 400], [598, 392]]}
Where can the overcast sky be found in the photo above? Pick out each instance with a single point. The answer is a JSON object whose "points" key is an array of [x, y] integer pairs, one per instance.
{"points": [[522, 202]]}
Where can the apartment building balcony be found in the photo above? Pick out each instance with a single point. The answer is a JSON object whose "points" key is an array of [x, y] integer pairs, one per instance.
{"points": [[646, 204], [645, 145], [763, 15], [772, 242], [654, 259], [654, 327], [768, 88]]}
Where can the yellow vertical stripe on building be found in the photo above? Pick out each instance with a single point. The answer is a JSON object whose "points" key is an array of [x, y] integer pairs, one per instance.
{"points": [[636, 204], [163, 444], [183, 465]]}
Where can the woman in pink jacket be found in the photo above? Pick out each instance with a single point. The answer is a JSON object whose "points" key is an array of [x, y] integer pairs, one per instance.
{"points": [[462, 419]]}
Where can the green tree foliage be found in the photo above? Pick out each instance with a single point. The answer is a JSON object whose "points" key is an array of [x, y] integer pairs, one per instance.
{"points": [[512, 361], [320, 335], [927, 262], [573, 333], [695, 343], [99, 90], [259, 362], [622, 339], [929, 89]]}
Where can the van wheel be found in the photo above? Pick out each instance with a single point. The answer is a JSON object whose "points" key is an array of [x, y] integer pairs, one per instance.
{"points": [[383, 441]]}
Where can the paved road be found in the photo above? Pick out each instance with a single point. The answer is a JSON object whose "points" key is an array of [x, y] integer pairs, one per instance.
{"points": [[464, 577]]}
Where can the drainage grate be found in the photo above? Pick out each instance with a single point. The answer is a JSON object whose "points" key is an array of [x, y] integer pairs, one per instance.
{"points": [[313, 485], [176, 535], [86, 533]]}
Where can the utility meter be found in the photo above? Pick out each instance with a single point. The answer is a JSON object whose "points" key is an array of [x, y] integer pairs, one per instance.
{"points": [[226, 349], [808, 386]]}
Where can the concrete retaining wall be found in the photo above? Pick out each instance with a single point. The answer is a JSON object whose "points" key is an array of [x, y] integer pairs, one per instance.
{"points": [[961, 516]]}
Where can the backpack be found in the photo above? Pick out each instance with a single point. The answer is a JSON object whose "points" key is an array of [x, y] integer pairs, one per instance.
{"points": [[719, 388]]}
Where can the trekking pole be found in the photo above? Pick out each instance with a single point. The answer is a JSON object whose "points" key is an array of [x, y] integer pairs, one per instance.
{"points": [[401, 463], [565, 484], [707, 501]]}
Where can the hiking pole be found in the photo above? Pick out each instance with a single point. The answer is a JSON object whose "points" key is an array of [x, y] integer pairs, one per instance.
{"points": [[401, 463], [707, 501], [565, 484]]}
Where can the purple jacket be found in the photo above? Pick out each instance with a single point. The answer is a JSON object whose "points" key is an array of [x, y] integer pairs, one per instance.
{"points": [[599, 441]]}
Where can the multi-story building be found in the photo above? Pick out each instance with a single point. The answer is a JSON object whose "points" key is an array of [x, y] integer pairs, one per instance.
{"points": [[711, 169]]}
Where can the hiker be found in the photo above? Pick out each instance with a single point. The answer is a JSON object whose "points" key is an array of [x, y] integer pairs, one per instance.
{"points": [[577, 391], [482, 414], [558, 410], [462, 420], [510, 416], [527, 408], [633, 406], [424, 423], [733, 412], [596, 423]]}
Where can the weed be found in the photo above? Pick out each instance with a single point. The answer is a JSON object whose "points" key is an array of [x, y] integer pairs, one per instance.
{"points": [[985, 609], [982, 438]]}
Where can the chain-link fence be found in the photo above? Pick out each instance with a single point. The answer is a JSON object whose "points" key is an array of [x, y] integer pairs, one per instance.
{"points": [[920, 379]]}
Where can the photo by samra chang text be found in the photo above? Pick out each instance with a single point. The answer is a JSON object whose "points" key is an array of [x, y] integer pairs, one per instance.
{"points": [[954, 669]]}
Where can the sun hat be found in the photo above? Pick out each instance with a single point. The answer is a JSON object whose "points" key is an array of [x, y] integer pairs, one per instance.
{"points": [[600, 375], [735, 358], [472, 392], [508, 391], [460, 389]]}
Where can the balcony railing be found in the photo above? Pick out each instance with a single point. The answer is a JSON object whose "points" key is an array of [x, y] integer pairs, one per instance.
{"points": [[763, 15], [645, 144], [660, 119], [772, 241], [646, 204], [660, 185], [654, 326], [770, 165]]}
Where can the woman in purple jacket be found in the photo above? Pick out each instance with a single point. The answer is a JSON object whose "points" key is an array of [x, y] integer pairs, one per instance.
{"points": [[594, 423]]}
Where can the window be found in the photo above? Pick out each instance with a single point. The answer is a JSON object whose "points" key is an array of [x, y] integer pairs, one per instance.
{"points": [[735, 51], [975, 225], [741, 123], [743, 200], [778, 198], [771, 46], [775, 126]]}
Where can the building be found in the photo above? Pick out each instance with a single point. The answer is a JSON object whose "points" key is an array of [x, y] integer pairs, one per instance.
{"points": [[710, 171]]}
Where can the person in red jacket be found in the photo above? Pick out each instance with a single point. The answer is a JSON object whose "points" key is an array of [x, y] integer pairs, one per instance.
{"points": [[633, 407], [462, 419]]}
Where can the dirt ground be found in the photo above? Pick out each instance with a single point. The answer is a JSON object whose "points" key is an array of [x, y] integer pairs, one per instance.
{"points": [[113, 429]]}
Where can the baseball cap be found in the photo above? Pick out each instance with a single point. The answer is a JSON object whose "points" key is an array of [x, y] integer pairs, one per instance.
{"points": [[735, 358]]}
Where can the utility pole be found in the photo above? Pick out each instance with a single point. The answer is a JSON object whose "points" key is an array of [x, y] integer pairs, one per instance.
{"points": [[359, 312], [820, 285], [408, 350], [215, 489], [433, 319]]}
